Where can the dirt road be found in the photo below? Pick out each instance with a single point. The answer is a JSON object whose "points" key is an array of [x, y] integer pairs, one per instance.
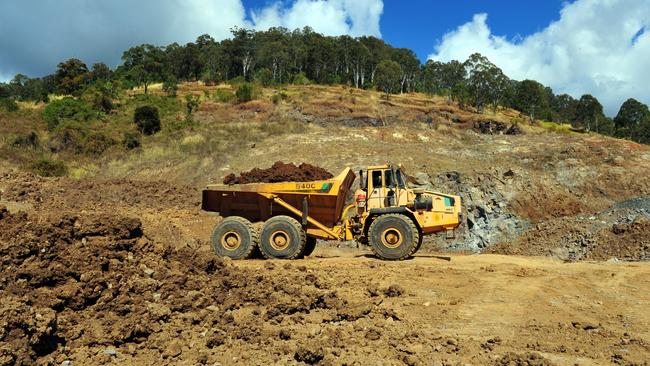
{"points": [[482, 309]]}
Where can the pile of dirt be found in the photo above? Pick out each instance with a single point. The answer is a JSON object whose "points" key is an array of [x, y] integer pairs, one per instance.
{"points": [[74, 194], [280, 172], [490, 127], [92, 288]]}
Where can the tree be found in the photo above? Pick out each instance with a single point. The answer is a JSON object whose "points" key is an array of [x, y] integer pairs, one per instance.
{"points": [[70, 76], [100, 71], [170, 86], [409, 68], [485, 82], [4, 91], [244, 45], [630, 116], [388, 77], [378, 51], [564, 108], [144, 64], [530, 98], [589, 112]]}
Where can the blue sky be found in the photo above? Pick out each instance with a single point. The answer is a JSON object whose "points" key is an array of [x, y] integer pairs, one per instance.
{"points": [[414, 24], [599, 47]]}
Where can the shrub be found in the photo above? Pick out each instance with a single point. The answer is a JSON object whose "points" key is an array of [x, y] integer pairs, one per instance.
{"points": [[301, 79], [68, 136], [29, 140], [49, 168], [237, 80], [170, 86], [192, 104], [147, 119], [103, 103], [224, 96], [96, 143], [131, 140], [67, 108], [276, 98], [264, 76], [244, 93], [8, 105]]}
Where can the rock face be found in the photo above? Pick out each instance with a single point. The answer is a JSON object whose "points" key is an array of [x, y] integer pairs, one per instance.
{"points": [[487, 219], [280, 172]]}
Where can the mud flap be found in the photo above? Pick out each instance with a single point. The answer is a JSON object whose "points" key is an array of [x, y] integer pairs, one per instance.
{"points": [[450, 234]]}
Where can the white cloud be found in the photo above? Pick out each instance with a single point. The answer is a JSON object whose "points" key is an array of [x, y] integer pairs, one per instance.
{"points": [[35, 35], [594, 47], [333, 17]]}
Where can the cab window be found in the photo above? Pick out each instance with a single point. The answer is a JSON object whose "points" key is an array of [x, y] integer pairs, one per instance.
{"points": [[388, 178], [376, 178]]}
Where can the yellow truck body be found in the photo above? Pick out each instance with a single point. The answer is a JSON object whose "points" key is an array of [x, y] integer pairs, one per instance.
{"points": [[320, 207]]}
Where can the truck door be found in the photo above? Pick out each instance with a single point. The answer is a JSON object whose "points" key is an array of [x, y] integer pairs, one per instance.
{"points": [[376, 190]]}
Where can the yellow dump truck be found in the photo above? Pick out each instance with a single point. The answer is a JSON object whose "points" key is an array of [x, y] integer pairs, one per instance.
{"points": [[384, 213]]}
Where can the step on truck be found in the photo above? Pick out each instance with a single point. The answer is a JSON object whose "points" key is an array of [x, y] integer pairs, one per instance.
{"points": [[284, 220]]}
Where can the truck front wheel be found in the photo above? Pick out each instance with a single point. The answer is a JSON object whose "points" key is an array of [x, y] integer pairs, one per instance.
{"points": [[282, 237], [234, 237], [393, 237]]}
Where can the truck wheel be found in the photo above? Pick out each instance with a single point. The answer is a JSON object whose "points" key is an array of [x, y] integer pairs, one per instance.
{"points": [[282, 237], [393, 237], [310, 245], [234, 237]]}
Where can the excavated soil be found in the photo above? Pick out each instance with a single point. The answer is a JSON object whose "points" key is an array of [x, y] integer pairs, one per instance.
{"points": [[280, 172], [92, 289]]}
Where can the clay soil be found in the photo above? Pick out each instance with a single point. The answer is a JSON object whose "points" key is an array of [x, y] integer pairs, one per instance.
{"points": [[99, 272], [93, 289], [280, 172]]}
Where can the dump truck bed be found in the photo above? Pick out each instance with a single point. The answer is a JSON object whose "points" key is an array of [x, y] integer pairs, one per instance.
{"points": [[325, 198]]}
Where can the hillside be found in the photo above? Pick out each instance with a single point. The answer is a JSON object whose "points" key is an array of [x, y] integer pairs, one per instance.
{"points": [[122, 226], [509, 183]]}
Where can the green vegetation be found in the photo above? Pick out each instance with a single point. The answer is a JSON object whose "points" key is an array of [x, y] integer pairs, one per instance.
{"points": [[49, 168], [192, 103], [8, 105], [224, 96], [67, 108], [147, 119], [131, 140], [170, 86], [29, 140], [252, 59], [388, 76], [244, 93]]}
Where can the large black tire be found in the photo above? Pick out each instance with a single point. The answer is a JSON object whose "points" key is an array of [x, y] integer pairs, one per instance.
{"points": [[282, 237], [310, 245], [234, 237], [393, 237]]}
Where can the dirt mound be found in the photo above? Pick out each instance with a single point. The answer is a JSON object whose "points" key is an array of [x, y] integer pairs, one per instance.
{"points": [[92, 288], [280, 172]]}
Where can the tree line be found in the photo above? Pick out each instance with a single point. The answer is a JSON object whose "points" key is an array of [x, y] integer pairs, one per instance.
{"points": [[281, 56]]}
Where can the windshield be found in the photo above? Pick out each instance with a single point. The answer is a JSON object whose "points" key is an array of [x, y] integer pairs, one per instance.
{"points": [[388, 178]]}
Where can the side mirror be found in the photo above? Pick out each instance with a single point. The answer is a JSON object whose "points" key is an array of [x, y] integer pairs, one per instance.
{"points": [[363, 183]]}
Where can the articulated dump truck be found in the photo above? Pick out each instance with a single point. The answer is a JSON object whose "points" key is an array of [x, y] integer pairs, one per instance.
{"points": [[284, 220]]}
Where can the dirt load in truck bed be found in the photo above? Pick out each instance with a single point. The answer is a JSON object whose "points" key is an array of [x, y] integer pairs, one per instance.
{"points": [[280, 172]]}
